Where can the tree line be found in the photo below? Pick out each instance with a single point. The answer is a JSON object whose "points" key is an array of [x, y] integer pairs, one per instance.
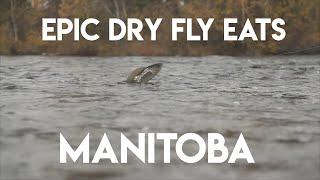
{"points": [[21, 26]]}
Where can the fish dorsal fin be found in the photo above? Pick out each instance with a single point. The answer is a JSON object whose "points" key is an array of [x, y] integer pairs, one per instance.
{"points": [[134, 73]]}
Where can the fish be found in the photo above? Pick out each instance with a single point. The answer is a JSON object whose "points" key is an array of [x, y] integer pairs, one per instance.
{"points": [[144, 74]]}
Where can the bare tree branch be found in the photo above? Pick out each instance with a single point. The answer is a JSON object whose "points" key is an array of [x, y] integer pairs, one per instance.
{"points": [[13, 19]]}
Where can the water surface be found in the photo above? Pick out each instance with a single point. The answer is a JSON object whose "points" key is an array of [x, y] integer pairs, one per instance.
{"points": [[273, 101]]}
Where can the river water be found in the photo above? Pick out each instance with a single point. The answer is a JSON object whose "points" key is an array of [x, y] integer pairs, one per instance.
{"points": [[273, 101]]}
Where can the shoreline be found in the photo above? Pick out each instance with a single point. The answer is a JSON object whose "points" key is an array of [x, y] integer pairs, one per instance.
{"points": [[111, 56]]}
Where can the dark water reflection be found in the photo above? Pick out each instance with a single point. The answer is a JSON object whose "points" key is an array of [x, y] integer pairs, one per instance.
{"points": [[275, 102]]}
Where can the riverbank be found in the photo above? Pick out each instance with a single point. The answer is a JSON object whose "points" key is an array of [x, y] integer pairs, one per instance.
{"points": [[111, 51]]}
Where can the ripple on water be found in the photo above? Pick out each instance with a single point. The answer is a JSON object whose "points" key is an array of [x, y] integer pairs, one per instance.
{"points": [[9, 86]]}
